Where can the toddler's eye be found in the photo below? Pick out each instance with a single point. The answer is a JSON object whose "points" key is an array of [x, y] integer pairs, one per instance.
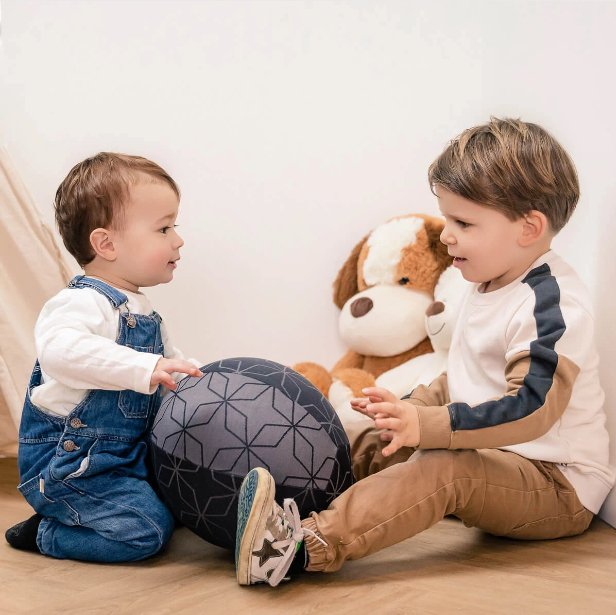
{"points": [[462, 224], [166, 228], [403, 281]]}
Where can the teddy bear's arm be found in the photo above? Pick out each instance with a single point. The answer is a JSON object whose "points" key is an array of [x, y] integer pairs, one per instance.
{"points": [[316, 374], [350, 359]]}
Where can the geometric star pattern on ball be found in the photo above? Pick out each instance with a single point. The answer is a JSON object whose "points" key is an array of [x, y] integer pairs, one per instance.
{"points": [[243, 413]]}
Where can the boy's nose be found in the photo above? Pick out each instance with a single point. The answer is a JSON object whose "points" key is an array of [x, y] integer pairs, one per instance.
{"points": [[447, 238], [179, 241]]}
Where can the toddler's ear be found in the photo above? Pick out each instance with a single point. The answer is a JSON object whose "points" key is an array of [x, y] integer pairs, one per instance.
{"points": [[534, 226], [102, 244]]}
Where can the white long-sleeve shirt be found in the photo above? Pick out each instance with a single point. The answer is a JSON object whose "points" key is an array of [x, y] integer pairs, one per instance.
{"points": [[75, 343], [523, 376]]}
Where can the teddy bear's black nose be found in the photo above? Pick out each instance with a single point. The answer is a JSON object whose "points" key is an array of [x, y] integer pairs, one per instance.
{"points": [[360, 307]]}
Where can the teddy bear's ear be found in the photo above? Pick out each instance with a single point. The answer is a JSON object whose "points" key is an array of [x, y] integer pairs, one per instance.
{"points": [[434, 227], [345, 285]]}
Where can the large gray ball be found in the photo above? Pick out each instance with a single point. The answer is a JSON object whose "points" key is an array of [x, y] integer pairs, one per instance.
{"points": [[243, 413]]}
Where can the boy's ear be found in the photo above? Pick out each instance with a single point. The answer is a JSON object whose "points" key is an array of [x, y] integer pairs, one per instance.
{"points": [[101, 241], [534, 226]]}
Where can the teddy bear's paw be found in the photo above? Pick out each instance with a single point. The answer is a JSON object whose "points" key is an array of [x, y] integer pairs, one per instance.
{"points": [[355, 379], [340, 396], [316, 374]]}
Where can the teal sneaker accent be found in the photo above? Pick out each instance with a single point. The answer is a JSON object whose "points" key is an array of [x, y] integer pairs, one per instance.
{"points": [[244, 505]]}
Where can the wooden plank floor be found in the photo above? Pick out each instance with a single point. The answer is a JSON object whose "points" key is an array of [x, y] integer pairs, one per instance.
{"points": [[448, 569]]}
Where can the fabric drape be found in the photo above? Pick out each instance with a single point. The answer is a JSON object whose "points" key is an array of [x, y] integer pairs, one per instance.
{"points": [[32, 269]]}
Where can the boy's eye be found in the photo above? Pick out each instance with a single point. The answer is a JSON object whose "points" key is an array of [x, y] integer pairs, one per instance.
{"points": [[462, 224], [166, 228]]}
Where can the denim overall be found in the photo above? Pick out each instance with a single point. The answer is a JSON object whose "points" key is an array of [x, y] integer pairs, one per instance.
{"points": [[86, 473]]}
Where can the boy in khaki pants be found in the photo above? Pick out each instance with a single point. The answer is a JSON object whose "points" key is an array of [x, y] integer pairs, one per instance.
{"points": [[512, 438]]}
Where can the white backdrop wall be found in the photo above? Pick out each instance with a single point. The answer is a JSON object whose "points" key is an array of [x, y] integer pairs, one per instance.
{"points": [[293, 128]]}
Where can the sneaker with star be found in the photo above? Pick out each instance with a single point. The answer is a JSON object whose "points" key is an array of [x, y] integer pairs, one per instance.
{"points": [[268, 536]]}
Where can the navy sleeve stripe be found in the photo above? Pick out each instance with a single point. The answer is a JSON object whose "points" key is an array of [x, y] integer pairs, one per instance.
{"points": [[543, 362]]}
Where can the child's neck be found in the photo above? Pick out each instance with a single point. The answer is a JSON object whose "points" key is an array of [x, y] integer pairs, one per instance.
{"points": [[112, 279], [531, 256]]}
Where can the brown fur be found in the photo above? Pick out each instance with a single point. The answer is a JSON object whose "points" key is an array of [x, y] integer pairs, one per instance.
{"points": [[316, 374], [422, 262], [345, 285], [355, 379]]}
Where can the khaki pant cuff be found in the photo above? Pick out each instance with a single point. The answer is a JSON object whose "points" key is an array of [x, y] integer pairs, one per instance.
{"points": [[318, 556]]}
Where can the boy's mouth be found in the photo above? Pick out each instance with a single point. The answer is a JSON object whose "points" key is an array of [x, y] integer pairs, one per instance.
{"points": [[458, 259]]}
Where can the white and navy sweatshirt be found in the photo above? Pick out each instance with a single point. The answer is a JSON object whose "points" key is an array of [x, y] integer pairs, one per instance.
{"points": [[523, 376]]}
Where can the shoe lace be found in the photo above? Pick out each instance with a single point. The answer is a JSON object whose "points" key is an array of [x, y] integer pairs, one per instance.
{"points": [[290, 525]]}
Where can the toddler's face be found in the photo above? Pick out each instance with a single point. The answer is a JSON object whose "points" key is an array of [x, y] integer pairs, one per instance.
{"points": [[482, 240], [148, 246]]}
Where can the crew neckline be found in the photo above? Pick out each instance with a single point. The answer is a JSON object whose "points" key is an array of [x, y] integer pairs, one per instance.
{"points": [[479, 298]]}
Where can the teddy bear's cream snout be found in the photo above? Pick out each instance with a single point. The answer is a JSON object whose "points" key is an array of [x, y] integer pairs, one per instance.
{"points": [[382, 321]]}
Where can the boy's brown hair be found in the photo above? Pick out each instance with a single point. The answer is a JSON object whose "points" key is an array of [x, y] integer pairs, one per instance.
{"points": [[94, 193], [510, 165]]}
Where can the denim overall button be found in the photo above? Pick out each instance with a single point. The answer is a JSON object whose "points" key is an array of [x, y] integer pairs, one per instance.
{"points": [[69, 446], [76, 423]]}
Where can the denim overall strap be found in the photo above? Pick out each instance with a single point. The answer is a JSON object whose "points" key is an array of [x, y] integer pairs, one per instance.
{"points": [[121, 415], [115, 297]]}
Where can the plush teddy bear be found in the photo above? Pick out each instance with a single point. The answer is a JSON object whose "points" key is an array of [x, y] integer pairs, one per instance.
{"points": [[439, 320], [383, 291]]}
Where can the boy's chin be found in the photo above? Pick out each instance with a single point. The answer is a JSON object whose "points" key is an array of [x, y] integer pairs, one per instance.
{"points": [[152, 283]]}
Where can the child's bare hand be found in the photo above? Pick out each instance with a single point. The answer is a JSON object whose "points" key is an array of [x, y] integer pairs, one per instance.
{"points": [[165, 367], [399, 419]]}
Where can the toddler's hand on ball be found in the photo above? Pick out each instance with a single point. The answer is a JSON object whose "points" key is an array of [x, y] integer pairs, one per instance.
{"points": [[165, 367]]}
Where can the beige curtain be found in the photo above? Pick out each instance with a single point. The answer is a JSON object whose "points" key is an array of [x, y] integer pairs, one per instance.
{"points": [[32, 269]]}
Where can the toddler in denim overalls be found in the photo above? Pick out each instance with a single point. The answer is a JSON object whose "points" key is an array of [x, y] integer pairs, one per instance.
{"points": [[83, 451]]}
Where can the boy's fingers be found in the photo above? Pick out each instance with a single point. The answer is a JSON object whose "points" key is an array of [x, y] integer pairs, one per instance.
{"points": [[384, 394], [361, 410], [183, 367], [384, 407], [390, 424], [359, 401], [165, 379], [390, 449]]}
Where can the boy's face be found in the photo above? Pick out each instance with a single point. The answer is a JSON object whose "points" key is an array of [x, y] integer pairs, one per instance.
{"points": [[147, 244], [485, 243]]}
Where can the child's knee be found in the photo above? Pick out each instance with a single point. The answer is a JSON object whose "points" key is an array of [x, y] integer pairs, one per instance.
{"points": [[153, 532]]}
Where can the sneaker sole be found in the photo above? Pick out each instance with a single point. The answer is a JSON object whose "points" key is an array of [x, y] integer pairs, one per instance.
{"points": [[255, 503]]}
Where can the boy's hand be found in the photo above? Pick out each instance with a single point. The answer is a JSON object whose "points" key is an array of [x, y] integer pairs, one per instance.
{"points": [[165, 367], [399, 419]]}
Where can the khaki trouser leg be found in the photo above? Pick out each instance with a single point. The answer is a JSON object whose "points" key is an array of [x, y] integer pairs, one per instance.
{"points": [[497, 491]]}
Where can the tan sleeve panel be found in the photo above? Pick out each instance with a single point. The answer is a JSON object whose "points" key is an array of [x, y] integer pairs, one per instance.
{"points": [[435, 394], [435, 421], [533, 425], [434, 427]]}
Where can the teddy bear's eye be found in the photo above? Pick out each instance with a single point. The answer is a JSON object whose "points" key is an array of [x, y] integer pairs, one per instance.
{"points": [[403, 281]]}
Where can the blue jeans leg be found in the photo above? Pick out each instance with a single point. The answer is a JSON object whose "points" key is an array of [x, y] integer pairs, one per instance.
{"points": [[123, 522]]}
